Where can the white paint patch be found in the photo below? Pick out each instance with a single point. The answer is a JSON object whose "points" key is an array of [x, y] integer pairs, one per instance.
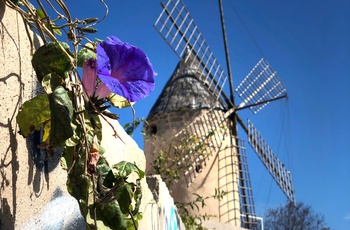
{"points": [[61, 213]]}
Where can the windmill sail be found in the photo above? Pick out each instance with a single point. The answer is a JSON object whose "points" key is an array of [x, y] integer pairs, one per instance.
{"points": [[260, 86], [276, 168], [248, 219], [178, 29]]}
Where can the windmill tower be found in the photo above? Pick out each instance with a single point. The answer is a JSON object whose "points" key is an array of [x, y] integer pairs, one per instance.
{"points": [[195, 123]]}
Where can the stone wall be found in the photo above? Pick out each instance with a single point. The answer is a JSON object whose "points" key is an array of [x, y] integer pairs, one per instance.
{"points": [[32, 184], [212, 166]]}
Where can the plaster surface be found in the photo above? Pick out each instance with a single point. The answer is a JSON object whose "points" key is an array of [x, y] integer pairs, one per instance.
{"points": [[28, 177]]}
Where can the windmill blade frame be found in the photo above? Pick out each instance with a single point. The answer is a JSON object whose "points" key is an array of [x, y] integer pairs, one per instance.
{"points": [[261, 86], [185, 37], [275, 167]]}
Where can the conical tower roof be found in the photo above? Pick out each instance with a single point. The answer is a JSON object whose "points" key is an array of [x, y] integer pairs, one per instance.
{"points": [[185, 90]]}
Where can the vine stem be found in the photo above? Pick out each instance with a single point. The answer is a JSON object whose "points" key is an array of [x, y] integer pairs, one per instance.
{"points": [[94, 197], [133, 220], [104, 118], [78, 93], [58, 13]]}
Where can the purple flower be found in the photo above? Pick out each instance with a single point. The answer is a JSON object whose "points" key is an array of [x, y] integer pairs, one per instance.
{"points": [[89, 80], [124, 69]]}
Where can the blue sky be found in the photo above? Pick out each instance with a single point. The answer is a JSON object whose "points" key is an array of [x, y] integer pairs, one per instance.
{"points": [[308, 44]]}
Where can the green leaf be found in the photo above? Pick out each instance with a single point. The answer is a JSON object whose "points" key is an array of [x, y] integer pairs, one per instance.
{"points": [[78, 184], [85, 54], [51, 58], [77, 133], [47, 128], [91, 129], [57, 31], [103, 168], [50, 82], [93, 125], [40, 13], [126, 168], [137, 197], [64, 163], [61, 115], [110, 214], [49, 24], [33, 114], [130, 127], [119, 101], [110, 180], [79, 187], [130, 223], [68, 157], [124, 196]]}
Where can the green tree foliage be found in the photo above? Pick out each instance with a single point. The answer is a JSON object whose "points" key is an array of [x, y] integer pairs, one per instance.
{"points": [[298, 217]]}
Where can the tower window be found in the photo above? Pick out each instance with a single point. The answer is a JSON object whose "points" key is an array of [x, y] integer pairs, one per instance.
{"points": [[153, 130], [199, 168]]}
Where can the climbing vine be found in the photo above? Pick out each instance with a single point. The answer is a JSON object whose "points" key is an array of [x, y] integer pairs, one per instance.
{"points": [[69, 111], [172, 159]]}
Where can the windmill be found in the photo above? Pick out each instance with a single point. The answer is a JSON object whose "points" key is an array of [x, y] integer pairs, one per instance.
{"points": [[211, 115]]}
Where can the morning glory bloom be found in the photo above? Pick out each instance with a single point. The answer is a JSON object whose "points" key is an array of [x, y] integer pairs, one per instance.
{"points": [[89, 76], [89, 80], [124, 69]]}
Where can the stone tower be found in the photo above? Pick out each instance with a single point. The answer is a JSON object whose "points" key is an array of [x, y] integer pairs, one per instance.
{"points": [[194, 153]]}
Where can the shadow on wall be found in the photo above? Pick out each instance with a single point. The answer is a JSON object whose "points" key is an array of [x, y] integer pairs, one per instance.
{"points": [[40, 163], [9, 160], [2, 10], [15, 82]]}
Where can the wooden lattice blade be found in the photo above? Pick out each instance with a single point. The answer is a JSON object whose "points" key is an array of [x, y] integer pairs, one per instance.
{"points": [[260, 85], [248, 217], [276, 168], [178, 29]]}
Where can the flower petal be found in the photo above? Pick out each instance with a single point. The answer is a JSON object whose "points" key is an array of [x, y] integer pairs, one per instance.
{"points": [[102, 91], [132, 90], [103, 63], [114, 40], [125, 69], [114, 85], [89, 76], [138, 89]]}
